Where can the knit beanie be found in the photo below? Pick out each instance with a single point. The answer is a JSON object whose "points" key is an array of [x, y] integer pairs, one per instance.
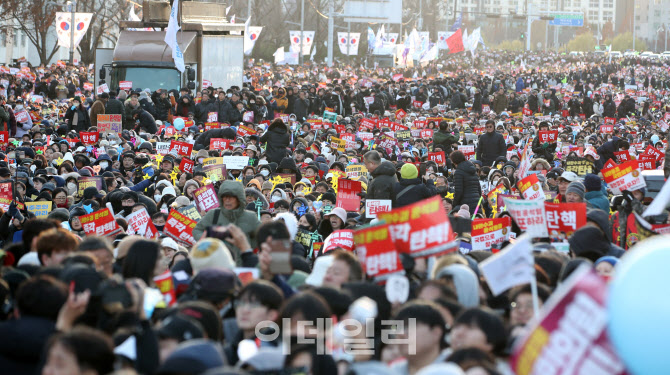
{"points": [[577, 188], [211, 253], [464, 211], [409, 171], [592, 182]]}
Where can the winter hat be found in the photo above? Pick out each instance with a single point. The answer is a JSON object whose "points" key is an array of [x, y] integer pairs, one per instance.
{"points": [[339, 212], [180, 328], [409, 171], [60, 214], [267, 185], [577, 188], [170, 243], [193, 357], [464, 211], [607, 258], [211, 253], [592, 182], [182, 201], [589, 242]]}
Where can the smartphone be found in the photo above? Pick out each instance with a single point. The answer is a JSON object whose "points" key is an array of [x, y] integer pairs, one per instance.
{"points": [[281, 257]]}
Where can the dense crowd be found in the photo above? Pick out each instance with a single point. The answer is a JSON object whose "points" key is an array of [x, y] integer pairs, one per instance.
{"points": [[176, 232]]}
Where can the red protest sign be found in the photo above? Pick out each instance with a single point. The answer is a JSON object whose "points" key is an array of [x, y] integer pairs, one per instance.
{"points": [[180, 227], [366, 136], [610, 121], [417, 104], [181, 148], [89, 138], [376, 252], [437, 157], [527, 112], [100, 223], [400, 114], [653, 152], [6, 194], [419, 124], [211, 125], [647, 163], [21, 116], [126, 85], [610, 163], [488, 232], [72, 142], [622, 156], [530, 187], [548, 136], [427, 133], [421, 229], [367, 124], [455, 42], [206, 198], [219, 144], [564, 218], [165, 284], [607, 129], [347, 194], [186, 165], [245, 131], [170, 131], [574, 321], [4, 138], [624, 176], [343, 238]]}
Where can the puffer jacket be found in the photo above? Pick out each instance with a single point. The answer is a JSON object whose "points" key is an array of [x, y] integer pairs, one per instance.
{"points": [[466, 185], [247, 221], [277, 139], [383, 183], [416, 191]]}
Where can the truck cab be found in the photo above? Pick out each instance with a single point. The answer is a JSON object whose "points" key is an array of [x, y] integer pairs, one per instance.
{"points": [[212, 48]]}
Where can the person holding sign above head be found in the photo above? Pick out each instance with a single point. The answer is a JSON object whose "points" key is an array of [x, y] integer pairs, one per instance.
{"points": [[544, 149], [77, 116]]}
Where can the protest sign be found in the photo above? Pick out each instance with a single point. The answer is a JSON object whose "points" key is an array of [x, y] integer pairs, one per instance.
{"points": [[356, 171], [622, 156], [376, 252], [39, 209], [216, 172], [190, 212], [21, 116], [329, 117], [6, 194], [607, 129], [550, 136], [102, 88], [181, 148], [245, 131], [468, 151], [126, 85], [212, 117], [212, 161], [421, 229], [4, 138], [219, 144], [404, 135], [610, 120], [375, 206], [387, 143], [426, 133], [206, 198], [488, 232], [530, 188], [235, 162], [306, 238], [624, 176], [574, 322], [165, 284], [609, 164], [366, 136], [647, 163], [529, 216], [100, 223], [343, 238], [85, 182], [170, 131], [580, 166], [347, 195], [564, 218], [110, 124], [180, 228], [367, 124], [162, 148], [512, 266], [653, 152], [186, 165], [212, 125], [89, 138], [338, 144], [437, 157], [492, 197], [139, 222]]}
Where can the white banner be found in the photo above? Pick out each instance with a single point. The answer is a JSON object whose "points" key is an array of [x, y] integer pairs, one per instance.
{"points": [[64, 24], [251, 34], [392, 38], [424, 37], [306, 44], [351, 40], [171, 38], [530, 216], [513, 266], [442, 37]]}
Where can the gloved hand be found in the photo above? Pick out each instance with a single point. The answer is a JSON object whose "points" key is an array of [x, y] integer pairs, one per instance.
{"points": [[12, 210], [628, 196], [18, 216]]}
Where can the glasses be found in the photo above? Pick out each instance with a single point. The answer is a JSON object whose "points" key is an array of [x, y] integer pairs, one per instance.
{"points": [[519, 306], [60, 198], [250, 304]]}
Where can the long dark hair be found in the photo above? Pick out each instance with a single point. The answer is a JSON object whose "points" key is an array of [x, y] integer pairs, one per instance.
{"points": [[141, 261]]}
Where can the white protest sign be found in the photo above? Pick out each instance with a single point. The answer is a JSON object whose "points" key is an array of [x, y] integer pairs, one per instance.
{"points": [[102, 88], [162, 148], [374, 206], [235, 162], [530, 216], [512, 266], [397, 288]]}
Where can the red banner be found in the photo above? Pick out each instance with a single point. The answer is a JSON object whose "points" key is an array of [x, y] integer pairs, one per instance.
{"points": [[622, 156], [647, 163], [181, 148], [180, 228], [89, 138], [574, 322], [610, 120], [400, 114], [165, 284], [607, 129], [367, 124], [186, 165], [610, 163], [421, 229], [245, 131], [211, 125], [455, 42], [488, 232], [100, 223], [437, 157], [126, 85], [170, 131], [564, 218], [653, 152], [343, 238], [219, 144], [376, 252], [6, 194], [427, 133], [530, 187], [548, 136], [4, 138], [527, 112], [206, 199], [347, 194]]}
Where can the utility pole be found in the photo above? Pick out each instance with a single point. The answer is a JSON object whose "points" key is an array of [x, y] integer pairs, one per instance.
{"points": [[302, 28], [348, 41], [73, 9], [528, 22], [331, 27], [248, 9], [634, 6]]}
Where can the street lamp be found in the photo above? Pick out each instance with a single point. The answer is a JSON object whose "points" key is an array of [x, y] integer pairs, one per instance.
{"points": [[72, 5]]}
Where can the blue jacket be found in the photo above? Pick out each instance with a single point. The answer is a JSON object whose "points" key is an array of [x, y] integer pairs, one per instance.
{"points": [[520, 85], [598, 200]]}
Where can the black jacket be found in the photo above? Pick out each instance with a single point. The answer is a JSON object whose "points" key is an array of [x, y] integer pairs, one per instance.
{"points": [[203, 108], [163, 107], [147, 122], [114, 107], [223, 108], [148, 106], [416, 191], [541, 152], [490, 147], [22, 344], [277, 139], [466, 185], [301, 109], [83, 121], [383, 182]]}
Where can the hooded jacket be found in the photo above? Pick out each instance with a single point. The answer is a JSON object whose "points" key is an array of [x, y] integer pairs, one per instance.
{"points": [[289, 163], [465, 282], [257, 195], [277, 139], [467, 189], [383, 183], [417, 191], [247, 221], [601, 218]]}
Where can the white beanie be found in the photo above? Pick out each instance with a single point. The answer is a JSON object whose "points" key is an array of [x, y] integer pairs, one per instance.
{"points": [[211, 253]]}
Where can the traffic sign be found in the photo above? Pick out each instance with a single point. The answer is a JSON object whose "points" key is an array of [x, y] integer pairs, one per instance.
{"points": [[574, 19]]}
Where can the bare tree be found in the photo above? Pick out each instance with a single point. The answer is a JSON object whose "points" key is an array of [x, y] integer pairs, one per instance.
{"points": [[35, 18], [106, 17]]}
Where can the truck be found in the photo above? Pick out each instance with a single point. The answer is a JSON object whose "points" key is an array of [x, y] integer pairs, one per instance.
{"points": [[213, 50]]}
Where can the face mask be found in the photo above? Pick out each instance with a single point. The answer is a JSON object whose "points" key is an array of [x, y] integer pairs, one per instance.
{"points": [[157, 197], [71, 187], [159, 227], [265, 172], [275, 198], [104, 164], [305, 227]]}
